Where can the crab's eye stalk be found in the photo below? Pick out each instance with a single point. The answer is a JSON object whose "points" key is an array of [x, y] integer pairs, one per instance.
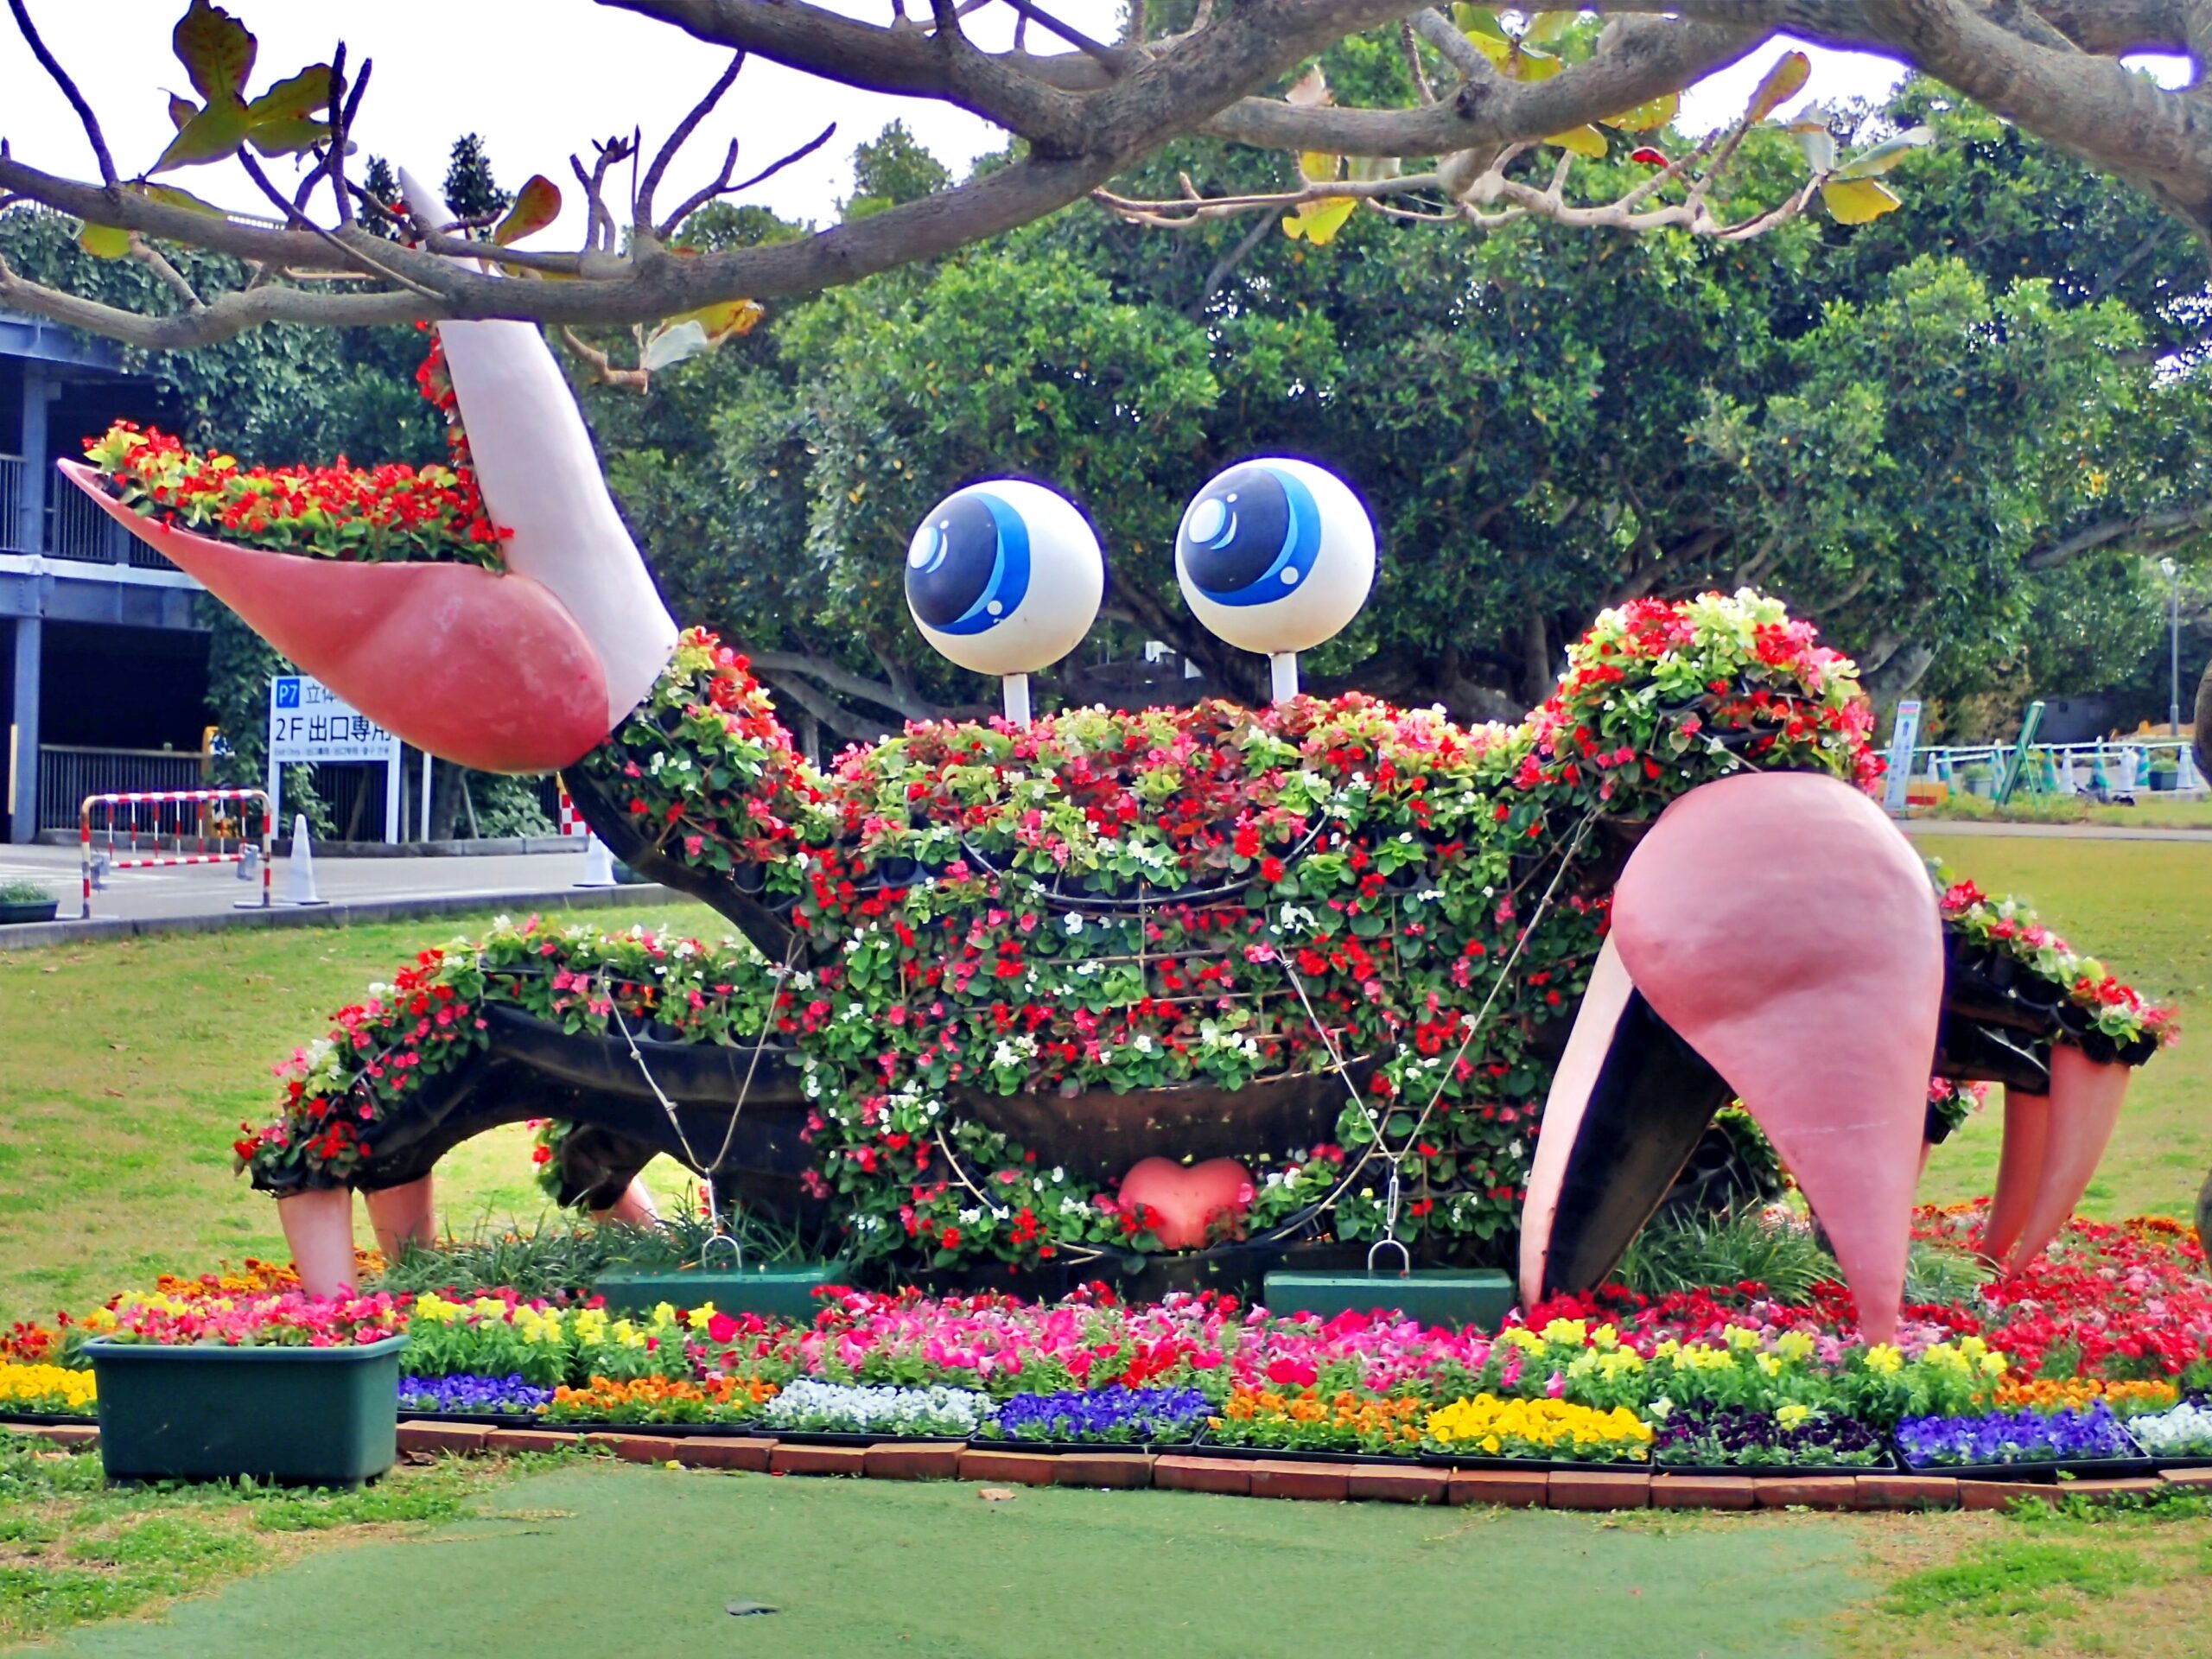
{"points": [[1275, 555], [1004, 577]]}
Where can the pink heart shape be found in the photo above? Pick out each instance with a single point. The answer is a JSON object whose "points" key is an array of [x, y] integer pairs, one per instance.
{"points": [[1183, 1201]]}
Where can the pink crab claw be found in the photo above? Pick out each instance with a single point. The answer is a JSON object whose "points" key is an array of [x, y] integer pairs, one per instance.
{"points": [[483, 670], [526, 670], [1774, 938]]}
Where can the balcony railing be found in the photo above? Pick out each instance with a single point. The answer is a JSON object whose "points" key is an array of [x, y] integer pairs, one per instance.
{"points": [[74, 529], [11, 505]]}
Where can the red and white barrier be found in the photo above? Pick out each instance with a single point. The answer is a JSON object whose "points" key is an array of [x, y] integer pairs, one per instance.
{"points": [[147, 809], [572, 822]]}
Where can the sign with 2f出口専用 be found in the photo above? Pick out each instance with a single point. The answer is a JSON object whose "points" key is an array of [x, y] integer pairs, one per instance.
{"points": [[309, 725]]}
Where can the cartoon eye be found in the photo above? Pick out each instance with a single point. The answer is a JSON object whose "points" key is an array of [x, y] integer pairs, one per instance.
{"points": [[1275, 555], [1004, 577]]}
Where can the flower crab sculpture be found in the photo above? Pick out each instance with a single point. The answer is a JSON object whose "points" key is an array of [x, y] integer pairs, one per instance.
{"points": [[1100, 982]]}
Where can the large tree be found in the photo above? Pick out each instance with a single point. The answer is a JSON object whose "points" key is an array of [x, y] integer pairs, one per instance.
{"points": [[1480, 118], [1957, 468]]}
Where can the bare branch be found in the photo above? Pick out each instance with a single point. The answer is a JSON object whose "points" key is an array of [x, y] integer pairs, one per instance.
{"points": [[52, 64], [152, 257], [642, 206], [602, 366]]}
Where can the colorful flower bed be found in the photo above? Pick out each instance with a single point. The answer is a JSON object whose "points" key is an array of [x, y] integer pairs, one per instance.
{"points": [[341, 511], [1488, 1427], [1114, 1416], [2184, 1432], [469, 1396], [2109, 1336], [2068, 1435], [1794, 1437], [45, 1391]]}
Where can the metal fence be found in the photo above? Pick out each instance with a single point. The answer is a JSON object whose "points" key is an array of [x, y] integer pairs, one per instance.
{"points": [[11, 504], [67, 774], [75, 529], [2106, 766]]}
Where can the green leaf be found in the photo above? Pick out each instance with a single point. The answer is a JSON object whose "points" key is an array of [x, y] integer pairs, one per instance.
{"points": [[1780, 84], [170, 195], [104, 241], [215, 132], [1649, 118], [181, 109], [1545, 27], [1858, 202], [1476, 22], [671, 346], [1319, 221], [216, 50], [537, 204], [1818, 143], [288, 138], [1583, 141], [300, 94], [1884, 155]]}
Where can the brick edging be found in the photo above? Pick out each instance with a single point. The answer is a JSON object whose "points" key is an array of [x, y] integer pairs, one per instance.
{"points": [[1598, 1488]]}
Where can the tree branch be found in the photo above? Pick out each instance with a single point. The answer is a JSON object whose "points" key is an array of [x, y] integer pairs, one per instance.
{"points": [[49, 62], [641, 213]]}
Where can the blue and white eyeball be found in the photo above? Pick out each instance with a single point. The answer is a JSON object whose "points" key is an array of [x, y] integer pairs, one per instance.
{"points": [[1275, 555], [1004, 577]]}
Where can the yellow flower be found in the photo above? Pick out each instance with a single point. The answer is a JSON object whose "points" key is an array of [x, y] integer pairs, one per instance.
{"points": [[1740, 1337], [1885, 1359], [1790, 1416], [1606, 1337], [697, 1318], [1769, 1364], [1794, 1344], [1570, 1333]]}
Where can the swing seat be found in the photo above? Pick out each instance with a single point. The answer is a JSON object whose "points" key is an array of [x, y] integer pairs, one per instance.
{"points": [[1449, 1296]]}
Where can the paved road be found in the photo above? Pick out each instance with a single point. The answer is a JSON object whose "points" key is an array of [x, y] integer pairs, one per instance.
{"points": [[213, 889], [2054, 831]]}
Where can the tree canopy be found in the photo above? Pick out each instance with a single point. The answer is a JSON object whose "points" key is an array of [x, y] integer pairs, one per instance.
{"points": [[1957, 469]]}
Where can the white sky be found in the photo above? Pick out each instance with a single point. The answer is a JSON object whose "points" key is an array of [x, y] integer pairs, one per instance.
{"points": [[539, 79]]}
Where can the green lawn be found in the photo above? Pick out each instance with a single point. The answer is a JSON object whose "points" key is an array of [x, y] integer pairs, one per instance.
{"points": [[125, 1067], [559, 1554], [2145, 909]]}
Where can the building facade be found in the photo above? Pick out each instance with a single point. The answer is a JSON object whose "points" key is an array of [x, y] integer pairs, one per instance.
{"points": [[104, 673]]}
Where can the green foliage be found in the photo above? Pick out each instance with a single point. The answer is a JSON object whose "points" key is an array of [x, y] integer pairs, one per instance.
{"points": [[2014, 1578], [1890, 424], [891, 168], [469, 188], [1685, 1253]]}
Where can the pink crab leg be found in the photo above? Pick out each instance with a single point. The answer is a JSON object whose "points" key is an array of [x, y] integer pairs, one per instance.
{"points": [[2085, 1096], [541, 480], [319, 1228], [2019, 1171], [1785, 928], [1599, 1018]]}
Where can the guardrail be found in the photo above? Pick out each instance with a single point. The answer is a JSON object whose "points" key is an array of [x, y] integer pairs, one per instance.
{"points": [[148, 809], [2107, 766]]}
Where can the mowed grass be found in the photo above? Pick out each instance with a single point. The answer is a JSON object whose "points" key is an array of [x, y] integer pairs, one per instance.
{"points": [[127, 1065], [2144, 909]]}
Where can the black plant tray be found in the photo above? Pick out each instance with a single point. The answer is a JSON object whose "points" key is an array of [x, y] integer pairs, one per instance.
{"points": [[1064, 1448], [48, 1420], [1885, 1465], [2182, 1460], [2039, 1470], [1548, 1465], [671, 1431], [850, 1437], [479, 1418], [1290, 1453]]}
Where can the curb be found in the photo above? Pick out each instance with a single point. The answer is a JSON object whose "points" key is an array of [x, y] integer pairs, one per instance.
{"points": [[1591, 1491], [31, 936]]}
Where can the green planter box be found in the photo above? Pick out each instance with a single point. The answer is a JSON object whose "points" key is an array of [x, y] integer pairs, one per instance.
{"points": [[299, 1416], [785, 1292], [1453, 1296]]}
